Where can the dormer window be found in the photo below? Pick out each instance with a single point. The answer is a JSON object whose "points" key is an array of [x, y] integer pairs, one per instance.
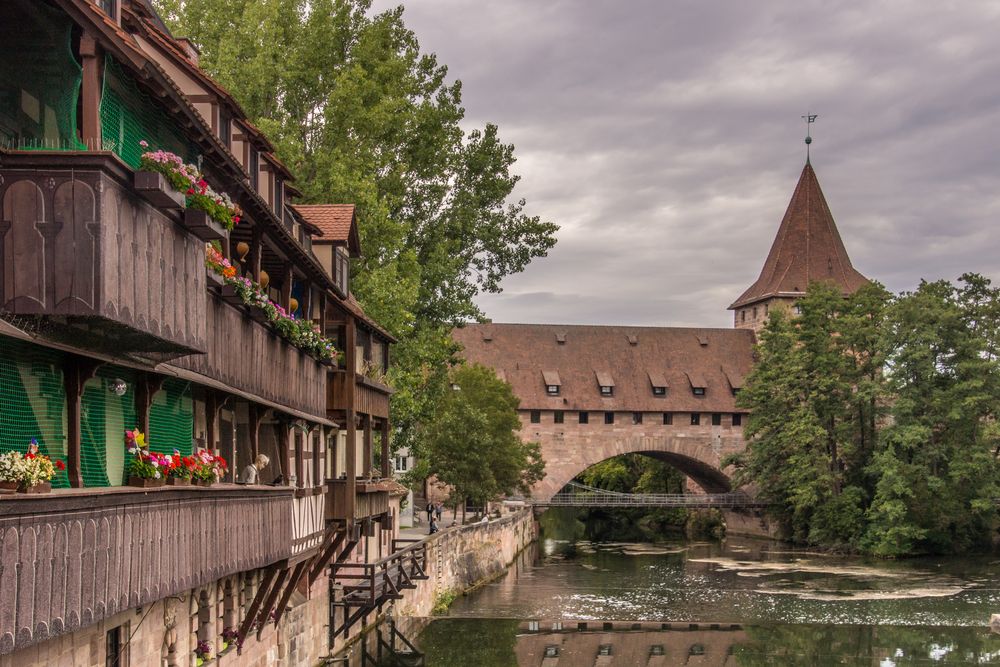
{"points": [[658, 382], [698, 383], [552, 382], [109, 7], [698, 391], [605, 383], [659, 391]]}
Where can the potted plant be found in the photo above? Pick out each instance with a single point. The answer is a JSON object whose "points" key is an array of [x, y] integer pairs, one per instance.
{"points": [[230, 638], [180, 470], [202, 652], [37, 471], [144, 468], [209, 468], [11, 470]]}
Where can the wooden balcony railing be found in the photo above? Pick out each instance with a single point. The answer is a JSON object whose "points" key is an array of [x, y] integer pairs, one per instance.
{"points": [[248, 355], [85, 259], [71, 558], [308, 522], [370, 499], [371, 397]]}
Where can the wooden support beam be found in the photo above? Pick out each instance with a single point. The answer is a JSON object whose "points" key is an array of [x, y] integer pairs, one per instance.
{"points": [[287, 276], [212, 405], [146, 386], [334, 540], [368, 457], [256, 252], [76, 372], [386, 470], [351, 462], [289, 589], [281, 433], [256, 415], [300, 457], [258, 599], [90, 128], [272, 596]]}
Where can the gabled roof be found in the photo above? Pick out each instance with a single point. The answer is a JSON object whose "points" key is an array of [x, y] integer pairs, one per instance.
{"points": [[521, 353], [807, 249], [337, 222]]}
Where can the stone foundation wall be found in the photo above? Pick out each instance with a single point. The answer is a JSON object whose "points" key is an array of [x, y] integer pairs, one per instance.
{"points": [[462, 557]]}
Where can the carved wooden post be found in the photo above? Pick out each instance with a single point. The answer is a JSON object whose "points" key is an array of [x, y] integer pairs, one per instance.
{"points": [[76, 372], [146, 387], [256, 414], [386, 471], [286, 286], [91, 85], [351, 462]]}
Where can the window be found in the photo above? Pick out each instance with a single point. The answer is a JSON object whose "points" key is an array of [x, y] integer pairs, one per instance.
{"points": [[695, 419], [659, 391], [765, 310], [584, 417], [798, 309], [552, 651], [558, 416], [609, 418], [536, 416], [698, 391], [755, 312], [668, 418], [557, 625], [716, 419], [225, 128], [401, 463], [656, 649], [607, 391], [552, 389], [604, 649], [737, 419], [109, 7], [533, 626], [743, 315], [116, 653], [736, 390], [636, 418]]}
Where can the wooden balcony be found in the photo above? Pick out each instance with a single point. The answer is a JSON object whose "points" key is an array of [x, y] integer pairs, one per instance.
{"points": [[247, 355], [308, 521], [370, 499], [85, 260], [371, 397], [71, 558]]}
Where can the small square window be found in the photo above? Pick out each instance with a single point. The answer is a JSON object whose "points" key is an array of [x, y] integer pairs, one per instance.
{"points": [[659, 391], [604, 649], [533, 626], [737, 419], [584, 417], [607, 391], [536, 416], [609, 418], [716, 419], [636, 417], [668, 418], [695, 419], [558, 416], [656, 649], [552, 389], [552, 651], [698, 391]]}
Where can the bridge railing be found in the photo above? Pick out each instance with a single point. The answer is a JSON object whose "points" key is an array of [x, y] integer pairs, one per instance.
{"points": [[579, 495]]}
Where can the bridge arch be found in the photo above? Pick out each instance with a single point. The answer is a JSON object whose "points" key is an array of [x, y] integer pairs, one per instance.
{"points": [[699, 457]]}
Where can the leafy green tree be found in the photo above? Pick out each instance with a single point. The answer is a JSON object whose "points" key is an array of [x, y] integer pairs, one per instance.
{"points": [[361, 115], [473, 444]]}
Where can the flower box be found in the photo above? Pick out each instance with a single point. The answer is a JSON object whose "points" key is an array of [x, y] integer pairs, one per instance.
{"points": [[202, 482], [41, 487], [214, 280], [145, 482], [178, 481], [155, 189], [259, 315], [202, 226], [8, 487], [230, 296]]}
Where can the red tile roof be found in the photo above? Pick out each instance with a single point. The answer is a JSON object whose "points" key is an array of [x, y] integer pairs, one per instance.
{"points": [[807, 249], [337, 222], [523, 353]]}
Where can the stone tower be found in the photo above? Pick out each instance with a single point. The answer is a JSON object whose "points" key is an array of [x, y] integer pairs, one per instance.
{"points": [[807, 249]]}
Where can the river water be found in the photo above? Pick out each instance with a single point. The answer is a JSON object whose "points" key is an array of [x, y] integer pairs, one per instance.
{"points": [[735, 602]]}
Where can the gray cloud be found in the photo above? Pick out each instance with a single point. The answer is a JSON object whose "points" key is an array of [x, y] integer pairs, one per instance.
{"points": [[664, 137]]}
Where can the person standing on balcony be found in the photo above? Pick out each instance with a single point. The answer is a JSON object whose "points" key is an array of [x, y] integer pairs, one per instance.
{"points": [[251, 474]]}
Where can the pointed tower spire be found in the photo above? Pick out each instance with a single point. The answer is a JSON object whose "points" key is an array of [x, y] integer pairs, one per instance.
{"points": [[807, 248]]}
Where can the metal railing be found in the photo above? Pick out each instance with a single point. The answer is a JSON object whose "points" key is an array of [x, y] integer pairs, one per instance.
{"points": [[575, 494]]}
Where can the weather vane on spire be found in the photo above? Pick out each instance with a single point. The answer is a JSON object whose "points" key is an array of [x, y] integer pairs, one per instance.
{"points": [[809, 118]]}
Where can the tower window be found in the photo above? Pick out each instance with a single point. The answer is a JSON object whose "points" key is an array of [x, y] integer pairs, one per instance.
{"points": [[743, 315], [698, 391], [695, 419], [609, 418], [607, 391], [557, 417], [737, 419], [716, 419], [636, 417], [536, 416], [668, 418], [584, 417], [755, 312], [659, 391], [552, 389]]}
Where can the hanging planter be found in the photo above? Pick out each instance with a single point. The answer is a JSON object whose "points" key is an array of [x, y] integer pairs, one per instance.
{"points": [[155, 189], [41, 487], [230, 296], [145, 482], [8, 487], [200, 224]]}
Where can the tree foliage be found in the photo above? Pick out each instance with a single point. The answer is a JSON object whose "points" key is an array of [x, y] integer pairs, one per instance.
{"points": [[472, 444], [361, 115], [873, 418]]}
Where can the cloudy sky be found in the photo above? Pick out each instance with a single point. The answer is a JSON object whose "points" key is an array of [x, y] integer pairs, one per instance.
{"points": [[665, 138]]}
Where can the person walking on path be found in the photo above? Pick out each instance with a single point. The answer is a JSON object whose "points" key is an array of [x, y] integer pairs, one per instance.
{"points": [[430, 511], [438, 511], [434, 526]]}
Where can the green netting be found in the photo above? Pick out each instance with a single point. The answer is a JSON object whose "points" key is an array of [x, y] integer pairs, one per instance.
{"points": [[104, 417], [39, 78], [32, 401], [171, 418], [129, 116]]}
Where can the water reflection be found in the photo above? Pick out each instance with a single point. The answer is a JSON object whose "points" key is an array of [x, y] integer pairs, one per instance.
{"points": [[466, 642]]}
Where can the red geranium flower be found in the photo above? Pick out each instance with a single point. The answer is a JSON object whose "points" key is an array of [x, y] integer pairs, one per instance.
{"points": [[60, 465]]}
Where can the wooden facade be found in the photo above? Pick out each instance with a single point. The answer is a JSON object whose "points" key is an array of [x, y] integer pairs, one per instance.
{"points": [[371, 397]]}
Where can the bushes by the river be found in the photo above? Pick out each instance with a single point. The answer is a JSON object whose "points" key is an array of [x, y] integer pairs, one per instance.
{"points": [[706, 524]]}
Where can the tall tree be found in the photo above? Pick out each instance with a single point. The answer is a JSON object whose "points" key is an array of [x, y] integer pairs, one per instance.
{"points": [[473, 444], [361, 115]]}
